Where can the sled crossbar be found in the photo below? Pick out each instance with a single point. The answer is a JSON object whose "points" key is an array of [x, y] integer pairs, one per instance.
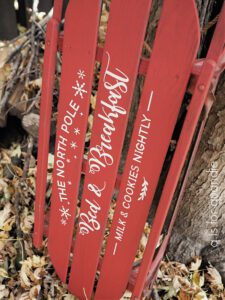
{"points": [[143, 66], [75, 239]]}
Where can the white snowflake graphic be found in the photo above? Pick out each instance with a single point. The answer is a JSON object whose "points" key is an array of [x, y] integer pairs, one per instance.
{"points": [[65, 212], [81, 74], [79, 88], [76, 131], [73, 145], [63, 222]]}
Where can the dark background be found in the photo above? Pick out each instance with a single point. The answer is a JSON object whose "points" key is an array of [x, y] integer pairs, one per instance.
{"points": [[9, 17]]}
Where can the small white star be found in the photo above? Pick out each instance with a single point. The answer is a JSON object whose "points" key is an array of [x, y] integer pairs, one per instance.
{"points": [[76, 131], [63, 222], [81, 114], [75, 156], [73, 145], [65, 212], [81, 74], [69, 182], [68, 160]]}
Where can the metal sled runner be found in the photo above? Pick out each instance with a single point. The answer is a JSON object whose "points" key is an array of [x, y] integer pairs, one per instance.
{"points": [[167, 74]]}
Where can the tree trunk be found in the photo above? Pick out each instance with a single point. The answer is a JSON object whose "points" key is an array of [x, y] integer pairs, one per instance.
{"points": [[45, 5], [8, 23], [199, 228]]}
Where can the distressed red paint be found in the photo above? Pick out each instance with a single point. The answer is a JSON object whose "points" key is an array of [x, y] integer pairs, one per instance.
{"points": [[167, 73]]}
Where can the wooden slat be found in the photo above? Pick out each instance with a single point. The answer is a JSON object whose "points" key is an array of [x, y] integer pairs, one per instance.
{"points": [[173, 55], [124, 40], [172, 179], [51, 40], [184, 143], [78, 61]]}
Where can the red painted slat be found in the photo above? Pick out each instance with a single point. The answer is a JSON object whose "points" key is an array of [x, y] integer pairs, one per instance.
{"points": [[184, 143], [152, 271], [173, 55], [51, 41], [172, 179], [124, 40], [78, 61]]}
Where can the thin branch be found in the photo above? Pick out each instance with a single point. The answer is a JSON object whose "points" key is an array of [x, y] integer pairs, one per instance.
{"points": [[28, 157], [10, 85]]}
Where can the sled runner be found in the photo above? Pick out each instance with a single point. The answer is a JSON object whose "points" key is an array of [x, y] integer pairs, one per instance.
{"points": [[75, 239]]}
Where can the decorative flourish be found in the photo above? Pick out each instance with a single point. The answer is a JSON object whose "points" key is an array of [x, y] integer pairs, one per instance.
{"points": [[79, 88], [65, 212], [73, 145], [76, 131], [81, 74], [144, 189], [150, 101], [115, 248]]}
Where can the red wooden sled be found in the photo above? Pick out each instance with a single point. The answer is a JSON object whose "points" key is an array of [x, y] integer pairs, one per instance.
{"points": [[167, 73]]}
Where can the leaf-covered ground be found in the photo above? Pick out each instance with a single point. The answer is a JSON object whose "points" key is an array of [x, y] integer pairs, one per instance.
{"points": [[26, 273]]}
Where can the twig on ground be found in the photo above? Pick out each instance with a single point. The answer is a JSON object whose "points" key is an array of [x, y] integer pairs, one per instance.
{"points": [[11, 84], [28, 156], [18, 193]]}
